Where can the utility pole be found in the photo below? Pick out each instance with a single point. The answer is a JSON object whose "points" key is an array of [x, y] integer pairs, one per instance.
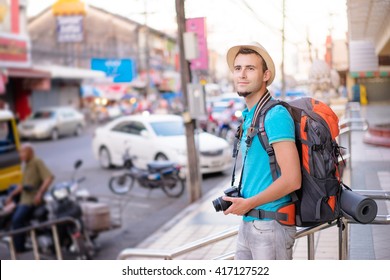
{"points": [[193, 171], [309, 46], [147, 51], [283, 89]]}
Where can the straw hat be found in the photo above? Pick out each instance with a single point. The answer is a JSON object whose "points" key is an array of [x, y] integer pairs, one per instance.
{"points": [[232, 53]]}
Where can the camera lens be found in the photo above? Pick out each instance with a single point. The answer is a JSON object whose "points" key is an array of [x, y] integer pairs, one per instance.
{"points": [[220, 204]]}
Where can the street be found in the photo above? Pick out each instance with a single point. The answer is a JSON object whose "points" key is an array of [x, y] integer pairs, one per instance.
{"points": [[145, 211]]}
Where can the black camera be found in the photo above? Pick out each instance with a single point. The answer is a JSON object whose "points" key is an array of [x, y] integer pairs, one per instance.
{"points": [[220, 204]]}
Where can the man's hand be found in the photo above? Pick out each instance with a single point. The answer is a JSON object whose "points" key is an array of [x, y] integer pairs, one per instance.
{"points": [[37, 199], [240, 206], [8, 200]]}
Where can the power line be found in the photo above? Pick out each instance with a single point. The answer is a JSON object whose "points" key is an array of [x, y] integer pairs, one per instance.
{"points": [[275, 30]]}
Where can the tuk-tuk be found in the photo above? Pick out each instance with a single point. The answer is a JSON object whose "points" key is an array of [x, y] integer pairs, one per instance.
{"points": [[10, 164]]}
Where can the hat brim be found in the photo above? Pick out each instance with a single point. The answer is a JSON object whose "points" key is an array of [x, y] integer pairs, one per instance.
{"points": [[232, 53]]}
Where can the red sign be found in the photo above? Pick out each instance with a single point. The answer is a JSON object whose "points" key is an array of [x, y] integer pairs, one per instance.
{"points": [[15, 16], [14, 51]]}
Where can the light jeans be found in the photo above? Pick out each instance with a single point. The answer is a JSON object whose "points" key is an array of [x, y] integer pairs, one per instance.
{"points": [[265, 240]]}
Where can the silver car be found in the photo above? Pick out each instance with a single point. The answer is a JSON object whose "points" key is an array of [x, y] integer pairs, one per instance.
{"points": [[52, 122]]}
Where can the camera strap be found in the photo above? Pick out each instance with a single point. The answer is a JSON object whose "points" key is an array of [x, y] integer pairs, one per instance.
{"points": [[251, 133]]}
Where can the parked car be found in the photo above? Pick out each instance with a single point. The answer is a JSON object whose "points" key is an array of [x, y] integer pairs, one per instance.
{"points": [[52, 122], [156, 137]]}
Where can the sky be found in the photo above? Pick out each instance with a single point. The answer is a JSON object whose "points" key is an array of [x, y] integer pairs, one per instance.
{"points": [[233, 21]]}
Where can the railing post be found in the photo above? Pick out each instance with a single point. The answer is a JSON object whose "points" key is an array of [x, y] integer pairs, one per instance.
{"points": [[310, 246], [56, 242], [34, 244], [345, 236], [12, 248], [350, 153]]}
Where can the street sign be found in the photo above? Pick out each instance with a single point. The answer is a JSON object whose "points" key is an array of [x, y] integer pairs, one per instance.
{"points": [[121, 70]]}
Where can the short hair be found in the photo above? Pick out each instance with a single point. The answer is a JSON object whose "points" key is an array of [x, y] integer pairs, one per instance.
{"points": [[28, 146], [244, 50]]}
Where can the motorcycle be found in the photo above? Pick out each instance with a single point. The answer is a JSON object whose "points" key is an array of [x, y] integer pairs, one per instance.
{"points": [[66, 202], [159, 174], [60, 201]]}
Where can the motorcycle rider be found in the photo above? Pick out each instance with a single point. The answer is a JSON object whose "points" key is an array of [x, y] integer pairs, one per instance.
{"points": [[36, 180]]}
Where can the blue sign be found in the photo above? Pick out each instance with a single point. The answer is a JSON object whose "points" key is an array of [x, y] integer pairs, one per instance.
{"points": [[121, 70]]}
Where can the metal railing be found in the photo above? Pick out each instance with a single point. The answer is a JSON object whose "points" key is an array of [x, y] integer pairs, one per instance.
{"points": [[7, 236], [233, 231], [346, 127], [352, 122]]}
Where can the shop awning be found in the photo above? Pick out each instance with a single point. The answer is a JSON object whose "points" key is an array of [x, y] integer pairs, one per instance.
{"points": [[370, 74], [27, 73], [70, 73], [68, 7]]}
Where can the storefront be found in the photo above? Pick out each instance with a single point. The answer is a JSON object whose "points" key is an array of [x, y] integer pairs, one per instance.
{"points": [[65, 86], [376, 84], [19, 88]]}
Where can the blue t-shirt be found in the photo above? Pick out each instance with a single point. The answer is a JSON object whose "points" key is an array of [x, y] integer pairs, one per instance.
{"points": [[257, 176]]}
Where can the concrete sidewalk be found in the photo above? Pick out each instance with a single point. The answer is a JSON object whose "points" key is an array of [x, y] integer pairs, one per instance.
{"points": [[370, 170]]}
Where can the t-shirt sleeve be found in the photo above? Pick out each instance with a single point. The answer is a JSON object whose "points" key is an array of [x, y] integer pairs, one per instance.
{"points": [[44, 172], [279, 125]]}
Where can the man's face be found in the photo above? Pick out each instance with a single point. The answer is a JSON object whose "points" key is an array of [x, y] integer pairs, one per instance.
{"points": [[248, 75], [25, 154]]}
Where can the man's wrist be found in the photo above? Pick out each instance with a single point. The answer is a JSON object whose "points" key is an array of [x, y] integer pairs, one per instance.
{"points": [[252, 203], [40, 193]]}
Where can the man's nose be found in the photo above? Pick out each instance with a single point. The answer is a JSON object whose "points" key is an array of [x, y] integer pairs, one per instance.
{"points": [[243, 73]]}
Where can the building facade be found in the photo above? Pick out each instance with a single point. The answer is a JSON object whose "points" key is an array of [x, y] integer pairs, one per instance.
{"points": [[369, 48], [95, 33]]}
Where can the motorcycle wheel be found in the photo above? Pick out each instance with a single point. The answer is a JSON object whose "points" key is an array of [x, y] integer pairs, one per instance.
{"points": [[173, 185], [121, 184], [84, 253]]}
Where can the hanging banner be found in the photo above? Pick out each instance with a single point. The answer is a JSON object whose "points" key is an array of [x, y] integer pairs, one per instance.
{"points": [[198, 26]]}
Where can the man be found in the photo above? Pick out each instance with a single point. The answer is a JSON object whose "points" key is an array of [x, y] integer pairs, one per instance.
{"points": [[253, 70], [36, 180]]}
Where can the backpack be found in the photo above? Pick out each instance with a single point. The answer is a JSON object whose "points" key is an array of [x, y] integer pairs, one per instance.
{"points": [[316, 129]]}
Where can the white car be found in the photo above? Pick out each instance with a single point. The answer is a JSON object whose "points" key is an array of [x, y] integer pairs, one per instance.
{"points": [[157, 137]]}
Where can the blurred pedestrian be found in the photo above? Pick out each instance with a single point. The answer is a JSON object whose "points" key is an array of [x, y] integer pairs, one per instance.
{"points": [[227, 117], [36, 180], [259, 237], [162, 107]]}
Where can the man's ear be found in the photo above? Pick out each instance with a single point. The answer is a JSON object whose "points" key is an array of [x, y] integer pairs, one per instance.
{"points": [[266, 76]]}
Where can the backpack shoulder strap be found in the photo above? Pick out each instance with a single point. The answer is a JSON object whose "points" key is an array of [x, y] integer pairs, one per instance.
{"points": [[263, 138]]}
